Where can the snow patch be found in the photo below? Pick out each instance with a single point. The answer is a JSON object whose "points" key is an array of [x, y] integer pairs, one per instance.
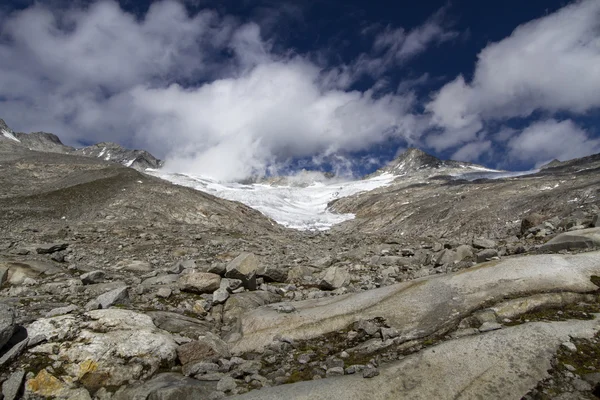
{"points": [[102, 152], [302, 208], [129, 163], [9, 135]]}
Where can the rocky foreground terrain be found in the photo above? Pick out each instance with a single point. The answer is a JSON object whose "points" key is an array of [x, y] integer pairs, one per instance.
{"points": [[119, 285]]}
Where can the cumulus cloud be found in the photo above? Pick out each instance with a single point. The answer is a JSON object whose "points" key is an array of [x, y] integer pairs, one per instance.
{"points": [[551, 64], [547, 140], [205, 91]]}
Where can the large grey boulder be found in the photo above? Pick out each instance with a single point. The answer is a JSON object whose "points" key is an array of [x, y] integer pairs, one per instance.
{"points": [[581, 239], [199, 282], [244, 267], [7, 323], [499, 365], [208, 347], [334, 278], [108, 299], [422, 307]]}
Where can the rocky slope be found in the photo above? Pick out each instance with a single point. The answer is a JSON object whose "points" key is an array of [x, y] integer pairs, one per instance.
{"points": [[119, 285]]}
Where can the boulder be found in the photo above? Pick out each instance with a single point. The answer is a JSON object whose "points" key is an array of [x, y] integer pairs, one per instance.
{"points": [[108, 299], [134, 266], [272, 273], [530, 221], [334, 278], [486, 255], [208, 347], [7, 323], [444, 257], [464, 251], [244, 267], [11, 387], [240, 303], [481, 243], [595, 221], [581, 239], [50, 248], [92, 277], [199, 282]]}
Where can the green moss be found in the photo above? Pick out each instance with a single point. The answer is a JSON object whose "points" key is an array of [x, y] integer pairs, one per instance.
{"points": [[581, 311]]}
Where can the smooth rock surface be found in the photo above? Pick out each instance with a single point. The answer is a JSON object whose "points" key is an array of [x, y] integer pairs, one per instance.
{"points": [[581, 239], [502, 365], [421, 307]]}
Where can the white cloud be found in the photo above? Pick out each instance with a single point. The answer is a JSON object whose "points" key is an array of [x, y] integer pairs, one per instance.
{"points": [[550, 64], [546, 140], [203, 90], [473, 151]]}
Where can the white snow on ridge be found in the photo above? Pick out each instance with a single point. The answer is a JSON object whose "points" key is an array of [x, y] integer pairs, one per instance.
{"points": [[303, 208], [9, 135]]}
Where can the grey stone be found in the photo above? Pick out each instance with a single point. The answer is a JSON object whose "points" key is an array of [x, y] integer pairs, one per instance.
{"points": [[335, 371], [569, 346], [581, 239], [369, 327], [108, 299], [50, 248], [334, 278], [486, 255], [7, 323], [595, 221], [489, 326], [463, 251], [220, 296], [481, 243], [164, 293], [207, 348], [445, 256], [11, 386], [199, 282], [370, 372], [13, 352], [274, 274], [244, 267], [61, 311], [179, 324], [226, 384], [167, 386], [92, 277]]}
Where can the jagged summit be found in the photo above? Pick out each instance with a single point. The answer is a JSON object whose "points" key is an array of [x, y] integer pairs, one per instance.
{"points": [[49, 142], [414, 160]]}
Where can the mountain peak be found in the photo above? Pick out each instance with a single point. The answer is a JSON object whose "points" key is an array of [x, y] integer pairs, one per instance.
{"points": [[412, 160]]}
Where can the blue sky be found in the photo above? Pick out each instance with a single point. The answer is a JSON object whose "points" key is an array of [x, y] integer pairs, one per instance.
{"points": [[236, 88]]}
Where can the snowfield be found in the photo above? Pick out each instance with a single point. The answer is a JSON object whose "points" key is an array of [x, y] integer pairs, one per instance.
{"points": [[303, 204], [297, 207]]}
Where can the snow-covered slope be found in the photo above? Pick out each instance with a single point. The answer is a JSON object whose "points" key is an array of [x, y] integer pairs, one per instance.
{"points": [[298, 207]]}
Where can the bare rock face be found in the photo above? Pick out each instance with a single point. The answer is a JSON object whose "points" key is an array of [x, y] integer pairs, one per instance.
{"points": [[513, 359]]}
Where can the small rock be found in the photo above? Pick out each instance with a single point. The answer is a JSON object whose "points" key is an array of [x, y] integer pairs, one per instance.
{"points": [[220, 296], [114, 297], [61, 311], [489, 326], [50, 248], [370, 372], [164, 293], [569, 346], [11, 387], [199, 282], [7, 323], [486, 255], [482, 243], [92, 277], [226, 384], [335, 371], [285, 308]]}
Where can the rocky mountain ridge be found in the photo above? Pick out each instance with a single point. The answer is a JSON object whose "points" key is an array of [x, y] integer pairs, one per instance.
{"points": [[49, 142], [118, 285]]}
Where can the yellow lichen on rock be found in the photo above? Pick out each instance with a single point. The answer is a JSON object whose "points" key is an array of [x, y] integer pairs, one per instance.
{"points": [[45, 384]]}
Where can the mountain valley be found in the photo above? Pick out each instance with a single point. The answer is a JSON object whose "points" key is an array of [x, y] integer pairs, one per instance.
{"points": [[122, 280]]}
